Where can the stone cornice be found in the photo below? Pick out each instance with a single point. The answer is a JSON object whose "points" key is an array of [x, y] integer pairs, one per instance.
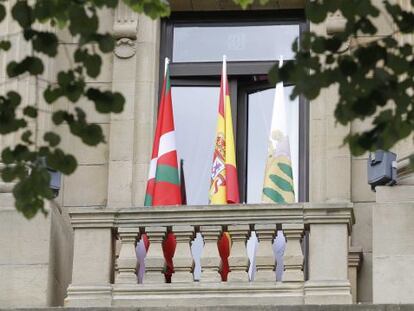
{"points": [[258, 214]]}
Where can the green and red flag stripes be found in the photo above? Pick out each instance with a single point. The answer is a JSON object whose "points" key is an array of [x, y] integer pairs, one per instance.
{"points": [[163, 186]]}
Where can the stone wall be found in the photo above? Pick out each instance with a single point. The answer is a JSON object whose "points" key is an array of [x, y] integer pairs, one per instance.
{"points": [[114, 174], [35, 256]]}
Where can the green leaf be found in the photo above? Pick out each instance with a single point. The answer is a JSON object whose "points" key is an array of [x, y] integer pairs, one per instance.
{"points": [[153, 9], [65, 163], [26, 137], [2, 12], [22, 13], [70, 86], [8, 174], [52, 138], [243, 3], [9, 122], [5, 45], [31, 64], [93, 65], [316, 12], [52, 94], [59, 117], [106, 43], [45, 42], [80, 21], [106, 102], [30, 111], [31, 190]]}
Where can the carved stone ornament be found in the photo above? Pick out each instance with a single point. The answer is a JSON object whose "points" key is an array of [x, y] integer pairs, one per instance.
{"points": [[125, 48]]}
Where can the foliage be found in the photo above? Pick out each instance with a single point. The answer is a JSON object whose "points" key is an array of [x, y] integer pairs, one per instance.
{"points": [[374, 78], [27, 162]]}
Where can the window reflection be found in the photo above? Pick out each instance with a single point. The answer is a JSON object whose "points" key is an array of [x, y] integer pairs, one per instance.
{"points": [[239, 43], [260, 105], [195, 117]]}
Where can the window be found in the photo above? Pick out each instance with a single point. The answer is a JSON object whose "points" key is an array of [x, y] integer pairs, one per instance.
{"points": [[195, 44]]}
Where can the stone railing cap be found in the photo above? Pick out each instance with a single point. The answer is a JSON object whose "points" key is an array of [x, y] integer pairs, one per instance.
{"points": [[260, 214]]}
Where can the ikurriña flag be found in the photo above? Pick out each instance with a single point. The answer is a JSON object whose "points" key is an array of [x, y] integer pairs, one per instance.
{"points": [[163, 185], [224, 186]]}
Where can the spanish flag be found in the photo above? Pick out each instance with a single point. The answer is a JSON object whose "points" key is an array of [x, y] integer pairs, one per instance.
{"points": [[224, 187]]}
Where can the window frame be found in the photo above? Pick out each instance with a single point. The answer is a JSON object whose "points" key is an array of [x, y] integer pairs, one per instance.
{"points": [[208, 74]]}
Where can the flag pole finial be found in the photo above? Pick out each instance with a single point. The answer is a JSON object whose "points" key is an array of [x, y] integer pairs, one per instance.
{"points": [[280, 61], [166, 62]]}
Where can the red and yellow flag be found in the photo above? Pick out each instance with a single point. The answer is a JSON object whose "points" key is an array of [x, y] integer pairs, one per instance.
{"points": [[224, 187]]}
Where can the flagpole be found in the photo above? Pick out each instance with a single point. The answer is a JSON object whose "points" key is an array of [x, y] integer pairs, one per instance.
{"points": [[166, 63], [224, 77]]}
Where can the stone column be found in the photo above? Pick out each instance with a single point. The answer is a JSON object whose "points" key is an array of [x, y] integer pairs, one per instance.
{"points": [[121, 136], [328, 265], [154, 262], [127, 260], [183, 260], [146, 100], [293, 257], [210, 261], [265, 260], [238, 260], [92, 263], [328, 157]]}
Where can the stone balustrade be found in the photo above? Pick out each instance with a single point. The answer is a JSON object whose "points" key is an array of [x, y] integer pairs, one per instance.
{"points": [[196, 279]]}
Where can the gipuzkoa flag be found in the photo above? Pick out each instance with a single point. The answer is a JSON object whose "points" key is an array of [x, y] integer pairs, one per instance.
{"points": [[163, 186], [278, 182], [224, 186]]}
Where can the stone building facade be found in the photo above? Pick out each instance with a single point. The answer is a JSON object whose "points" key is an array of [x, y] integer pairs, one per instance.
{"points": [[40, 258]]}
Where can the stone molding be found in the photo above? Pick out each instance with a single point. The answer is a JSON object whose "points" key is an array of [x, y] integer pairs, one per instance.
{"points": [[125, 31], [355, 257], [307, 213]]}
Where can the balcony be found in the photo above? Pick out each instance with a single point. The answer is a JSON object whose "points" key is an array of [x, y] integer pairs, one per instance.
{"points": [[105, 263]]}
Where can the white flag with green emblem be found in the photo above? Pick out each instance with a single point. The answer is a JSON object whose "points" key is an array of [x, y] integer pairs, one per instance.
{"points": [[278, 184]]}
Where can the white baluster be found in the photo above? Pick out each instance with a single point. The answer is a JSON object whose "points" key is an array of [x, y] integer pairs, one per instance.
{"points": [[197, 246], [251, 247]]}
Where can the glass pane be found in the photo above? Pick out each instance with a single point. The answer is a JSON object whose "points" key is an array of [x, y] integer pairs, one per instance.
{"points": [[239, 43], [195, 117], [260, 114]]}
